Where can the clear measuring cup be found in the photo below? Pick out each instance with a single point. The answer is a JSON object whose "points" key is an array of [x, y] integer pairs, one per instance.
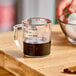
{"points": [[36, 36]]}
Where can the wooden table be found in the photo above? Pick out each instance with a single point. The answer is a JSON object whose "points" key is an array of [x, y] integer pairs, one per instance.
{"points": [[4, 72], [63, 54]]}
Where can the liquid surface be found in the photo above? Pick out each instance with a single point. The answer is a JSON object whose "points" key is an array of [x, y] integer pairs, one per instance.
{"points": [[36, 49]]}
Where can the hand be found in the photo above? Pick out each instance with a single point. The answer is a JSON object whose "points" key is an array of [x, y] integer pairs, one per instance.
{"points": [[63, 5]]}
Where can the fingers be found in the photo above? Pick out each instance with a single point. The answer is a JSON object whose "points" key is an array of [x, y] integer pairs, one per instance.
{"points": [[61, 5], [72, 8]]}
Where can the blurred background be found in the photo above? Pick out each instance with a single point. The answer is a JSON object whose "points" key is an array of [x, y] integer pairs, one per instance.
{"points": [[14, 11]]}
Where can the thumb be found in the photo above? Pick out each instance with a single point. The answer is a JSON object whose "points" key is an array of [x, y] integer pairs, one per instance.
{"points": [[72, 8]]}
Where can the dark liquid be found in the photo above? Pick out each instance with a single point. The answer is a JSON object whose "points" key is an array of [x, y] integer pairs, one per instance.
{"points": [[36, 49]]}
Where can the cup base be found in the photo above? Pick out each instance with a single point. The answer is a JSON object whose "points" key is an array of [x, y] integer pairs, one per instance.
{"points": [[28, 56], [73, 41]]}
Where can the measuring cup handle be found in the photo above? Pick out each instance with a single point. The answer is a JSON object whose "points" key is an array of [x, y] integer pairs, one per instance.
{"points": [[16, 29]]}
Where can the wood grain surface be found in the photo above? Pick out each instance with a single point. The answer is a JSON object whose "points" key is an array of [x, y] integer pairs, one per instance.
{"points": [[4, 72], [63, 55]]}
